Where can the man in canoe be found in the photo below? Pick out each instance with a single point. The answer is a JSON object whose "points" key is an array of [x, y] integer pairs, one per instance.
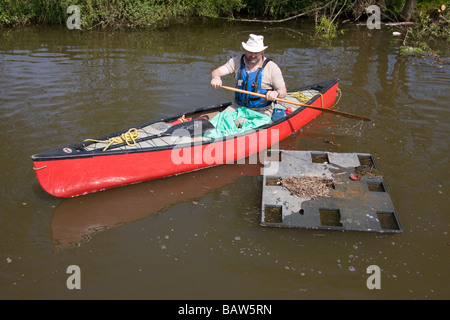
{"points": [[253, 72]]}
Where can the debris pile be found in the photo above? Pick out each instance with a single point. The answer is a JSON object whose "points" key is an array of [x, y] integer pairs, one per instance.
{"points": [[308, 187]]}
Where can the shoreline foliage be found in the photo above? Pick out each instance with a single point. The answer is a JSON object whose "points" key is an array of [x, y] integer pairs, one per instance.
{"points": [[432, 26], [150, 13], [431, 18]]}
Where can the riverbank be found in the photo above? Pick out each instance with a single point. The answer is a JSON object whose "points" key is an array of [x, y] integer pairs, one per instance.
{"points": [[429, 22], [149, 13]]}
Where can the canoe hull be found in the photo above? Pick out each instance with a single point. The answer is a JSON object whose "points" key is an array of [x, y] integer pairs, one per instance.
{"points": [[73, 176]]}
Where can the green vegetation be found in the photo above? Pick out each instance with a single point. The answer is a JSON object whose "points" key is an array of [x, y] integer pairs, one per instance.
{"points": [[111, 13], [431, 29], [430, 17], [150, 13], [326, 25], [407, 50], [432, 22], [326, 28]]}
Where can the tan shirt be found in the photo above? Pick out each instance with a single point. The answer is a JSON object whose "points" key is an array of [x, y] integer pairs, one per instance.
{"points": [[272, 77]]}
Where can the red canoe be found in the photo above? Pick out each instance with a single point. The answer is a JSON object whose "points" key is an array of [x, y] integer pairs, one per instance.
{"points": [[155, 150]]}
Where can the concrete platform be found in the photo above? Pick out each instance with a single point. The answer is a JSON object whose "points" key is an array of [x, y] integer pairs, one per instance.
{"points": [[355, 196]]}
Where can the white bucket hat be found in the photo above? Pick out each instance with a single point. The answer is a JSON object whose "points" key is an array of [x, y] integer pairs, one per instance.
{"points": [[254, 43]]}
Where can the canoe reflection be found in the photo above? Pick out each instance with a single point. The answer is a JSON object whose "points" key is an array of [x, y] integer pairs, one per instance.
{"points": [[76, 220]]}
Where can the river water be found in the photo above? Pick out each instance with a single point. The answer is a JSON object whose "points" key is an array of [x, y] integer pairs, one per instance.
{"points": [[198, 235]]}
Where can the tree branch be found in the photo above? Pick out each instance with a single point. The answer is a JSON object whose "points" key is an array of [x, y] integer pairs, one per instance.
{"points": [[282, 20]]}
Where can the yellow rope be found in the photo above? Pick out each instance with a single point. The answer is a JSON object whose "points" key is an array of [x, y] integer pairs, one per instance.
{"points": [[301, 97], [339, 95], [129, 137]]}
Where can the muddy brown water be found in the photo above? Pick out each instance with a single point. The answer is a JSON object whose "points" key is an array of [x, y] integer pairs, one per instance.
{"points": [[198, 235]]}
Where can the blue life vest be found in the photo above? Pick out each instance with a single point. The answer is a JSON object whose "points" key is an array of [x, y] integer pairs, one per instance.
{"points": [[250, 82]]}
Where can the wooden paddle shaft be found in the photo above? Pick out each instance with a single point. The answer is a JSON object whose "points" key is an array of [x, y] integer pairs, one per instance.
{"points": [[340, 113]]}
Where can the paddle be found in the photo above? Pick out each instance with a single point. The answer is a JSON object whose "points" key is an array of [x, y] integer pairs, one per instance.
{"points": [[186, 129], [340, 113]]}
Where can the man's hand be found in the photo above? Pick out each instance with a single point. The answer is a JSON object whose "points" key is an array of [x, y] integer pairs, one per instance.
{"points": [[272, 95], [216, 75], [216, 82]]}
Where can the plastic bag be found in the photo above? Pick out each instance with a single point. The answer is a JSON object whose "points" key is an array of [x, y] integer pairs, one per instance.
{"points": [[225, 124]]}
